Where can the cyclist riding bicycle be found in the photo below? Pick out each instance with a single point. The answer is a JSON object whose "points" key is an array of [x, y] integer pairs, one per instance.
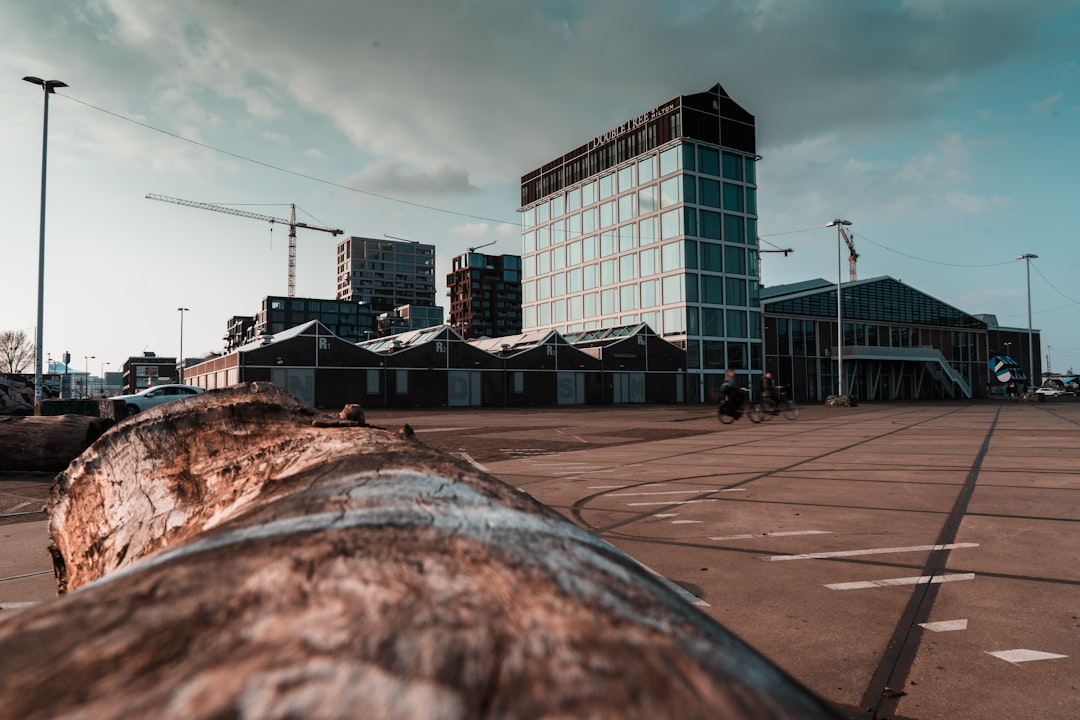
{"points": [[769, 395], [733, 394]]}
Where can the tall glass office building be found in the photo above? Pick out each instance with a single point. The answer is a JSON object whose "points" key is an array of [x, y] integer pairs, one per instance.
{"points": [[654, 221]]}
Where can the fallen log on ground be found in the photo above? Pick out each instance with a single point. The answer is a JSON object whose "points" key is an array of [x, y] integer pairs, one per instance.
{"points": [[235, 555], [37, 442]]}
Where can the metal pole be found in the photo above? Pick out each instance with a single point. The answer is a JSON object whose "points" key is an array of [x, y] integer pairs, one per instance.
{"points": [[49, 87], [180, 370], [86, 382], [1027, 258], [839, 320], [838, 223]]}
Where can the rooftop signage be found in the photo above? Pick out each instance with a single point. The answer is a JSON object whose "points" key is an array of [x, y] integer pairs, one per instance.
{"points": [[633, 124]]}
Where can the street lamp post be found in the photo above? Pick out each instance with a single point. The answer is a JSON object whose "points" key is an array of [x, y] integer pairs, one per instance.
{"points": [[180, 371], [86, 382], [49, 87], [839, 224], [1027, 258], [103, 364]]}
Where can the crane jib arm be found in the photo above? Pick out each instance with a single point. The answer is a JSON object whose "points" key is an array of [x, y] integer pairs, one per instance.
{"points": [[257, 216], [242, 213]]}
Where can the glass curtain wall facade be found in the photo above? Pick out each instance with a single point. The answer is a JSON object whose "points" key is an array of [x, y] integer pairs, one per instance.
{"points": [[885, 321], [655, 222]]}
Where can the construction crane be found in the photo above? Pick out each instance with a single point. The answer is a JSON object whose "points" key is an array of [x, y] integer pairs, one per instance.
{"points": [[474, 249], [292, 223], [852, 255]]}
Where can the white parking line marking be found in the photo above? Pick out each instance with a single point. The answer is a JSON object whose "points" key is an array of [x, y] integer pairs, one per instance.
{"points": [[445, 429], [16, 605], [603, 487], [658, 492], [945, 625], [666, 515], [918, 580], [1020, 655], [753, 536], [686, 522], [870, 551], [669, 502]]}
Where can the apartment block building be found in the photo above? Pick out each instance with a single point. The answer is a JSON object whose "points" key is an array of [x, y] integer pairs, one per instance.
{"points": [[485, 295]]}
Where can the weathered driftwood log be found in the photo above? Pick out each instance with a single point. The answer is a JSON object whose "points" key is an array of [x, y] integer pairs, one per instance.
{"points": [[231, 555], [34, 442]]}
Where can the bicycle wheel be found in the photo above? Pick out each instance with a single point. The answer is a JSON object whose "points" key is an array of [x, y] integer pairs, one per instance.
{"points": [[757, 412], [789, 409], [725, 417]]}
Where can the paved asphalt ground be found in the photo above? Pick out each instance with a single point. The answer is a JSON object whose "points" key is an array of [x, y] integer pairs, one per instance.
{"points": [[910, 561]]}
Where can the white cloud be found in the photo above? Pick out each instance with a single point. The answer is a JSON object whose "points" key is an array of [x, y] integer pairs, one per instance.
{"points": [[392, 178], [1048, 106]]}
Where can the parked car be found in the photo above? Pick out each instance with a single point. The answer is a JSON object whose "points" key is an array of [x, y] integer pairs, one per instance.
{"points": [[1050, 392], [154, 396]]}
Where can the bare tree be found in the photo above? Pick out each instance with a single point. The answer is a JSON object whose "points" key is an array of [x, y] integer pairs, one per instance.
{"points": [[16, 351]]}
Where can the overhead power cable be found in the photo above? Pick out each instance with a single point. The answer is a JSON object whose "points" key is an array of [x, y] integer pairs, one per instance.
{"points": [[271, 166]]}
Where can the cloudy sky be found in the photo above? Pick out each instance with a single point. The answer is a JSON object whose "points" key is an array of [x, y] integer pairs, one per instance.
{"points": [[946, 131]]}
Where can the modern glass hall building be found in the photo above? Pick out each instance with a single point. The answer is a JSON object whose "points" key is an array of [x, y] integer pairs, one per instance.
{"points": [[653, 221]]}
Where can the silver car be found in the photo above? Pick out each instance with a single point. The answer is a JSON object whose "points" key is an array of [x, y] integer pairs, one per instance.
{"points": [[154, 396]]}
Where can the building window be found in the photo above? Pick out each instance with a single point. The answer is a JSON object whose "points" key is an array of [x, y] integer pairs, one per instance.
{"points": [[733, 167], [737, 324], [607, 186], [607, 302], [674, 321], [673, 289], [712, 322], [735, 290], [647, 231], [647, 200], [671, 256], [650, 296], [647, 262], [647, 169], [671, 224], [607, 214], [708, 161], [670, 192], [588, 193], [588, 248], [669, 160], [712, 289], [733, 197], [709, 193], [573, 225], [573, 200]]}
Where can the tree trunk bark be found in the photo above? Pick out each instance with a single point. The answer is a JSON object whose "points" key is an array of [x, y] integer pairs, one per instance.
{"points": [[36, 442], [236, 555]]}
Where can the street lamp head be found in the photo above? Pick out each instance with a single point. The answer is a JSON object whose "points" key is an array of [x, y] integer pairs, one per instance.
{"points": [[1027, 256], [181, 309], [48, 86], [837, 221]]}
